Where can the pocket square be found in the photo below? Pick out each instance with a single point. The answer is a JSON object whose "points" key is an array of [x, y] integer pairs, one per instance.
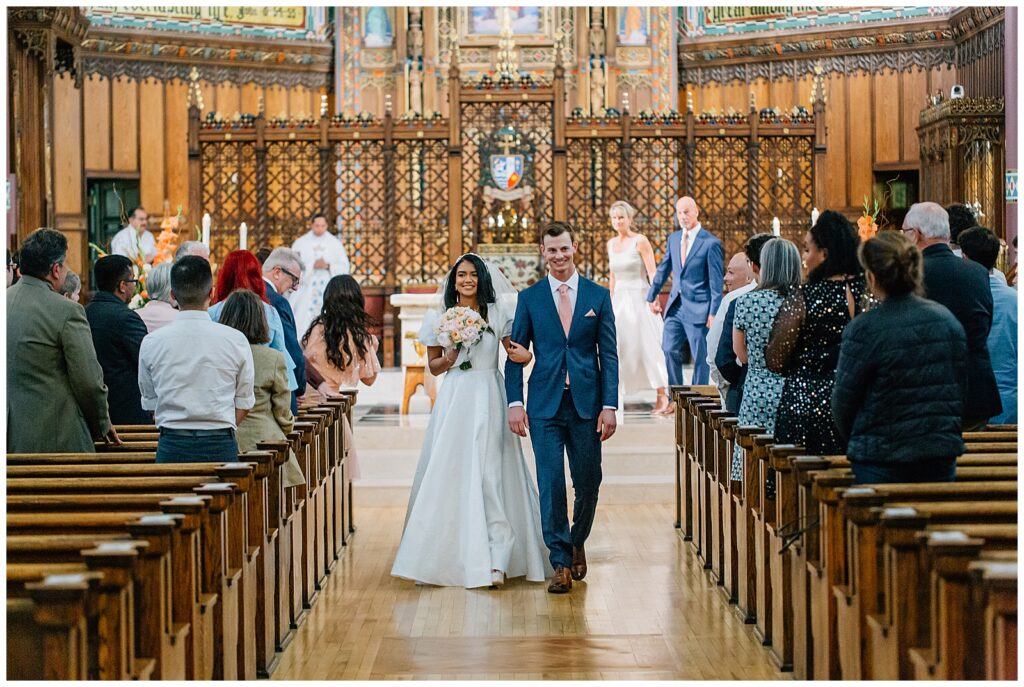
{"points": [[591, 313]]}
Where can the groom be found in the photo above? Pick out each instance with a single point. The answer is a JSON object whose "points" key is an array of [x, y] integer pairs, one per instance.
{"points": [[573, 395]]}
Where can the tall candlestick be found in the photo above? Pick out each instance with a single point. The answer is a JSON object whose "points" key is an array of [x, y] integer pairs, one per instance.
{"points": [[814, 216], [776, 226], [243, 237], [206, 228]]}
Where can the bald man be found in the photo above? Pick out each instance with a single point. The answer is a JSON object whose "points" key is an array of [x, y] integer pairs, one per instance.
{"points": [[696, 261]]}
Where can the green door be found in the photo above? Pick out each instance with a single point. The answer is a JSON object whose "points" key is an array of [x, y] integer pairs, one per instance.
{"points": [[109, 203]]}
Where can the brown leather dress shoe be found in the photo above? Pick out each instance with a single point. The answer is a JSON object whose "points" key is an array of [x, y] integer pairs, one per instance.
{"points": [[579, 563], [561, 583]]}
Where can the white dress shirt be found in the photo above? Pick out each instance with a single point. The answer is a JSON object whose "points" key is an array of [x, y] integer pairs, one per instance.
{"points": [[715, 334], [125, 243], [194, 373]]}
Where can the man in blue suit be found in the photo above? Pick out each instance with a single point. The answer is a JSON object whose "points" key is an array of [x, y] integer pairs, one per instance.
{"points": [[282, 271], [574, 391], [696, 261]]}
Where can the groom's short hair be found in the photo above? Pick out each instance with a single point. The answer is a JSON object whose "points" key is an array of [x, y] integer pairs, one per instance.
{"points": [[554, 229]]}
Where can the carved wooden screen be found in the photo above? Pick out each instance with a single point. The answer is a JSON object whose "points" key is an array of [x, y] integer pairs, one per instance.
{"points": [[720, 188], [358, 183], [228, 192], [535, 121], [420, 235], [657, 170], [784, 186], [293, 193], [594, 183]]}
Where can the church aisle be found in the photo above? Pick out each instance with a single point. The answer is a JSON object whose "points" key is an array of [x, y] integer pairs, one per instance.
{"points": [[645, 611]]}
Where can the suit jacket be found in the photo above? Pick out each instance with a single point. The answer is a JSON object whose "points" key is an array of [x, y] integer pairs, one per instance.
{"points": [[725, 360], [56, 398], [962, 286], [697, 284], [588, 353], [291, 339], [117, 333]]}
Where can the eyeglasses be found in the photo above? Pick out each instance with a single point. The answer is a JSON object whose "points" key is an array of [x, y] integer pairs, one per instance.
{"points": [[295, 280], [130, 281], [907, 230]]}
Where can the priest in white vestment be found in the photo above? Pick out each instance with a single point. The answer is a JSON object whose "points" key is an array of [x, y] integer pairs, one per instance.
{"points": [[325, 257]]}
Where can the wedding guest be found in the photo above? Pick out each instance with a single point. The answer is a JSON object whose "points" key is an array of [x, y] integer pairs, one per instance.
{"points": [[192, 248], [901, 376], [961, 218], [159, 311], [71, 288], [804, 346], [694, 258], [12, 269], [270, 419], [963, 287], [982, 246], [262, 254], [631, 261], [755, 313], [134, 241], [56, 398], [339, 346], [195, 374], [282, 271], [325, 257], [117, 333], [730, 373], [241, 270]]}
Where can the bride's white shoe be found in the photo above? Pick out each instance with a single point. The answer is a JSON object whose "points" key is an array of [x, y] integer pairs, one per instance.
{"points": [[497, 578]]}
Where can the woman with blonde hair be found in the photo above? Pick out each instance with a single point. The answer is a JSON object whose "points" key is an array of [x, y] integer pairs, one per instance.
{"points": [[631, 264]]}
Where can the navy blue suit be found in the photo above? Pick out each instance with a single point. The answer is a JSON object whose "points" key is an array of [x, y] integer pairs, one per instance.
{"points": [[725, 360], [564, 420], [291, 341], [696, 293]]}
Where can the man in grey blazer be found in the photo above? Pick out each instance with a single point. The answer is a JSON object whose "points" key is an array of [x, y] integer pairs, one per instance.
{"points": [[56, 398]]}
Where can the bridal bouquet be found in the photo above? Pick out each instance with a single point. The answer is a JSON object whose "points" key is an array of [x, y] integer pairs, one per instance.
{"points": [[462, 328]]}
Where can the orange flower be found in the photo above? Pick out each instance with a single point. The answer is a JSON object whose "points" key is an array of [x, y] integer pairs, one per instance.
{"points": [[866, 227]]}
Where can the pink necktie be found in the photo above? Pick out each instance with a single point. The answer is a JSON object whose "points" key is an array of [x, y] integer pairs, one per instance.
{"points": [[565, 315], [686, 246], [564, 307]]}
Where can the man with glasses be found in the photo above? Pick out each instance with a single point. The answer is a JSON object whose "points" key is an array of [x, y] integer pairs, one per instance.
{"points": [[117, 333], [56, 398], [282, 270], [962, 286], [135, 241]]}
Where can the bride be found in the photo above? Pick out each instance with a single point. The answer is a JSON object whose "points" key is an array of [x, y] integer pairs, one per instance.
{"points": [[474, 516]]}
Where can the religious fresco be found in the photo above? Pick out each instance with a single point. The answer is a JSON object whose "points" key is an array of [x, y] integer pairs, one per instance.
{"points": [[633, 25], [485, 21], [287, 22], [727, 20], [378, 27]]}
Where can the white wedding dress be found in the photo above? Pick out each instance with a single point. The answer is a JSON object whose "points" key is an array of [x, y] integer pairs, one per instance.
{"points": [[639, 331], [474, 505]]}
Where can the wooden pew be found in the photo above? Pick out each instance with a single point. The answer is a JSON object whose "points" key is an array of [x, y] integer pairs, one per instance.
{"points": [[994, 596], [47, 630]]}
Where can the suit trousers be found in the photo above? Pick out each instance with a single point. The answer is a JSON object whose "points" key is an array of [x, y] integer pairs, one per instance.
{"points": [[676, 332], [566, 433]]}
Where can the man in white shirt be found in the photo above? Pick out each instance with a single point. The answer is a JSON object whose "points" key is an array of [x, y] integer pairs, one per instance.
{"points": [[325, 257], [196, 375], [739, 279], [134, 241]]}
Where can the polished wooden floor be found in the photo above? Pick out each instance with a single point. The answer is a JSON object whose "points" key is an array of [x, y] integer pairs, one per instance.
{"points": [[645, 611]]}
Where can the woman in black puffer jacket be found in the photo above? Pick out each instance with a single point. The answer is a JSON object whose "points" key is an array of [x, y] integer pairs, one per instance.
{"points": [[901, 379]]}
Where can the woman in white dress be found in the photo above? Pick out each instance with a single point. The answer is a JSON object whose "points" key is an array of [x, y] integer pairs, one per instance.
{"points": [[474, 513], [632, 265]]}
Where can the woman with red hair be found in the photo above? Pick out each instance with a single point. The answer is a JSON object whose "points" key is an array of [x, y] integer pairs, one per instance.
{"points": [[241, 270]]}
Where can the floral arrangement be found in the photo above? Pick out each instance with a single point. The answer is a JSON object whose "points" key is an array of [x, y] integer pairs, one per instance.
{"points": [[867, 225], [462, 328]]}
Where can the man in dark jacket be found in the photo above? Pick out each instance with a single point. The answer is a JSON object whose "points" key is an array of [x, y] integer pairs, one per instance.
{"points": [[725, 357], [117, 333], [282, 271], [962, 286]]}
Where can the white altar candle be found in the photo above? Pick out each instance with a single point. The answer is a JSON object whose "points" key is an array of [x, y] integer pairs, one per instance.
{"points": [[814, 216], [243, 237], [776, 226], [206, 228]]}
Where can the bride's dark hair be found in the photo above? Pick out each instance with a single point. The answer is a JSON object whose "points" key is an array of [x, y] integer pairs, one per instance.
{"points": [[484, 288]]}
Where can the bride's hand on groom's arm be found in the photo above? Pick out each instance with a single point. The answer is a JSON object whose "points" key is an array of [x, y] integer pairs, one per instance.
{"points": [[517, 420], [518, 354], [606, 423]]}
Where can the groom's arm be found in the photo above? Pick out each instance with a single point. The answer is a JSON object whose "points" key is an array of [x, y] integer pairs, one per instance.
{"points": [[661, 274], [522, 334], [609, 358]]}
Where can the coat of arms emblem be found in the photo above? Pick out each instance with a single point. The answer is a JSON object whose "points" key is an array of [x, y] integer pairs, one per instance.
{"points": [[506, 170], [508, 158]]}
